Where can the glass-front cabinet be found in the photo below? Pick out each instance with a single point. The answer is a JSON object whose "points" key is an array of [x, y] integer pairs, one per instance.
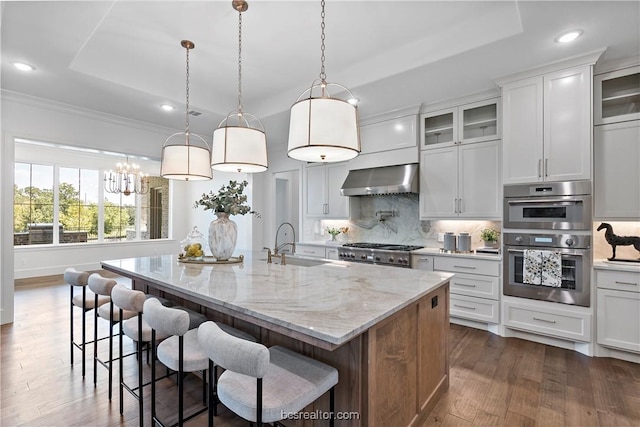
{"points": [[617, 96], [464, 124]]}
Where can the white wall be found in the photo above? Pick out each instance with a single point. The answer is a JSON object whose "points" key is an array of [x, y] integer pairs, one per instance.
{"points": [[42, 120]]}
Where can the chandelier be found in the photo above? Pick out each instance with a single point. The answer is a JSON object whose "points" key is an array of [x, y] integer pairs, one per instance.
{"points": [[239, 142], [323, 127], [185, 155], [126, 179]]}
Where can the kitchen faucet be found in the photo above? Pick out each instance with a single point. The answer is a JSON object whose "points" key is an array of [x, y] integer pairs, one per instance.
{"points": [[276, 248]]}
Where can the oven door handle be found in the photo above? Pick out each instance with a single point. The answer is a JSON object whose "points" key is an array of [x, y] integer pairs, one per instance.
{"points": [[573, 253], [536, 201]]}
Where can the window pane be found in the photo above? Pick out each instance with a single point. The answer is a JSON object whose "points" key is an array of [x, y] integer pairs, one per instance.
{"points": [[33, 204], [78, 195]]}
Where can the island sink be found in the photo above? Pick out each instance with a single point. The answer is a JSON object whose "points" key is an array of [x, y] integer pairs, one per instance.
{"points": [[292, 260]]}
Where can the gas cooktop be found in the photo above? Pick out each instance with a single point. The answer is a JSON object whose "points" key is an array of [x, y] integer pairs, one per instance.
{"points": [[382, 246]]}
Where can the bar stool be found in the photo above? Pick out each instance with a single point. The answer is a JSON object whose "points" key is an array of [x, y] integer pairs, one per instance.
{"points": [[181, 352], [261, 384], [84, 301], [103, 286]]}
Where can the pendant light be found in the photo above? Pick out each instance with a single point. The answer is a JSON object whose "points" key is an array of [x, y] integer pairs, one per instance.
{"points": [[323, 127], [185, 155], [239, 142]]}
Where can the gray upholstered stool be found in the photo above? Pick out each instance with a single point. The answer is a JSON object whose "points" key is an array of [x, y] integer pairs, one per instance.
{"points": [[181, 352], [261, 384], [102, 286], [85, 301], [126, 299]]}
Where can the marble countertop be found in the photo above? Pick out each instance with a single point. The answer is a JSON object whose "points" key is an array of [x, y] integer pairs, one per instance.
{"points": [[604, 264], [332, 302]]}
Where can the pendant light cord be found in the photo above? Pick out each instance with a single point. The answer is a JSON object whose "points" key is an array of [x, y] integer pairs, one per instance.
{"points": [[240, 63], [323, 75], [187, 110]]}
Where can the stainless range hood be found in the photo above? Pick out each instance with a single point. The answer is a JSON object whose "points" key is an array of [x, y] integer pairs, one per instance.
{"points": [[386, 180]]}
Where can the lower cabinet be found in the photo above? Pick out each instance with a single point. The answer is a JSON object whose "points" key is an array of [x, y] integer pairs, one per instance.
{"points": [[618, 309], [475, 289], [547, 318]]}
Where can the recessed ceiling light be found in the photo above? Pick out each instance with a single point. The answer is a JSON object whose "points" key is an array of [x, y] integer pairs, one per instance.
{"points": [[167, 107], [568, 36], [23, 67]]}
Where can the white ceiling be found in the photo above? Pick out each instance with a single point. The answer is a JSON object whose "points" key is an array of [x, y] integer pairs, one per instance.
{"points": [[125, 58]]}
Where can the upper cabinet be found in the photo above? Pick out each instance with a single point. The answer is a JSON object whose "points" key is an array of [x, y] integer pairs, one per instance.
{"points": [[468, 123], [386, 135], [547, 127], [461, 182], [617, 96], [322, 191]]}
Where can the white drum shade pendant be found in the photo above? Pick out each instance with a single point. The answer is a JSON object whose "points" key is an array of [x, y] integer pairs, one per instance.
{"points": [[239, 143], [323, 127], [186, 156]]}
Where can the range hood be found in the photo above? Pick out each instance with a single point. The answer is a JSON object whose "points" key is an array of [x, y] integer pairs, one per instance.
{"points": [[385, 180]]}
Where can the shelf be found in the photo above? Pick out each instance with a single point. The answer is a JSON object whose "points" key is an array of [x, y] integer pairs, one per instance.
{"points": [[624, 96], [480, 123], [443, 129]]}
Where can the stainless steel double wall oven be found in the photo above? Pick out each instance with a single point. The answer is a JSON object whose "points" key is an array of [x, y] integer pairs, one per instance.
{"points": [[555, 217]]}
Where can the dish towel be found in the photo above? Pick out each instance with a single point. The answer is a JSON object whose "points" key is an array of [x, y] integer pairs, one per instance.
{"points": [[542, 268]]}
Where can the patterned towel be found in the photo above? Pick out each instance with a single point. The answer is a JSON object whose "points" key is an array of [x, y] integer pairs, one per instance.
{"points": [[542, 268], [531, 269]]}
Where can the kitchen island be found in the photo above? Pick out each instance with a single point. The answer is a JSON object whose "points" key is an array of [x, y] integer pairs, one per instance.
{"points": [[385, 329]]}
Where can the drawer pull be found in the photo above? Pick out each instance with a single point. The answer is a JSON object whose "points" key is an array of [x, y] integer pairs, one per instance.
{"points": [[464, 284], [626, 283], [464, 266], [464, 306], [544, 320]]}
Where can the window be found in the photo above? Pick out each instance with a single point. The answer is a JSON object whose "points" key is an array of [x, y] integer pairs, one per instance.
{"points": [[73, 196], [33, 204]]}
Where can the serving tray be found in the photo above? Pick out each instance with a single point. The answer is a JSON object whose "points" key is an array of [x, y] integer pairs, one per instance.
{"points": [[212, 260]]}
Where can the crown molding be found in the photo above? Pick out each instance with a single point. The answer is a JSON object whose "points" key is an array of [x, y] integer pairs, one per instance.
{"points": [[616, 64], [57, 106], [589, 58]]}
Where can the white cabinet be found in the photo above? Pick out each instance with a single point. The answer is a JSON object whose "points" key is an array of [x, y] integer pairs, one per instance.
{"points": [[422, 262], [475, 122], [617, 96], [311, 250], [617, 174], [461, 181], [546, 318], [386, 135], [322, 191], [475, 288], [547, 127], [618, 309]]}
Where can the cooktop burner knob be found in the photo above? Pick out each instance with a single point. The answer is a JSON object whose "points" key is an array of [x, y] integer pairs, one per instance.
{"points": [[377, 258], [519, 239], [352, 255], [569, 242], [390, 259], [363, 257]]}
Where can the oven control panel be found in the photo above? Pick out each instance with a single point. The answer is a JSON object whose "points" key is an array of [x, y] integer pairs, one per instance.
{"points": [[548, 240]]}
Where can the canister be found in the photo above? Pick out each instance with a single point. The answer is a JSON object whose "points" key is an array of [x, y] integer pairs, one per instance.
{"points": [[449, 242], [464, 242]]}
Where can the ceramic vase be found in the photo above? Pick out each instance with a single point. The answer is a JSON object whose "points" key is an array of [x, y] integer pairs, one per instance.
{"points": [[223, 234]]}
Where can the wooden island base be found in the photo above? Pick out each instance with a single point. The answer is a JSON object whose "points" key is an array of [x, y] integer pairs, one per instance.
{"points": [[391, 375]]}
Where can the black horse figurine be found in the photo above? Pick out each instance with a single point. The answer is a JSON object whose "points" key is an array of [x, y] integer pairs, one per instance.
{"points": [[614, 240]]}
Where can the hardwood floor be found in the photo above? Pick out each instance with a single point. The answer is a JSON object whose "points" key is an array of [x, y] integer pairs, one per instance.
{"points": [[495, 381]]}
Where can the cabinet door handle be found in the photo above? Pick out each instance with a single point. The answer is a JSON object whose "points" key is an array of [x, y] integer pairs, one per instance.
{"points": [[464, 306], [626, 283], [325, 208], [459, 205], [464, 266], [539, 168], [464, 284], [544, 320], [546, 167], [455, 205]]}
